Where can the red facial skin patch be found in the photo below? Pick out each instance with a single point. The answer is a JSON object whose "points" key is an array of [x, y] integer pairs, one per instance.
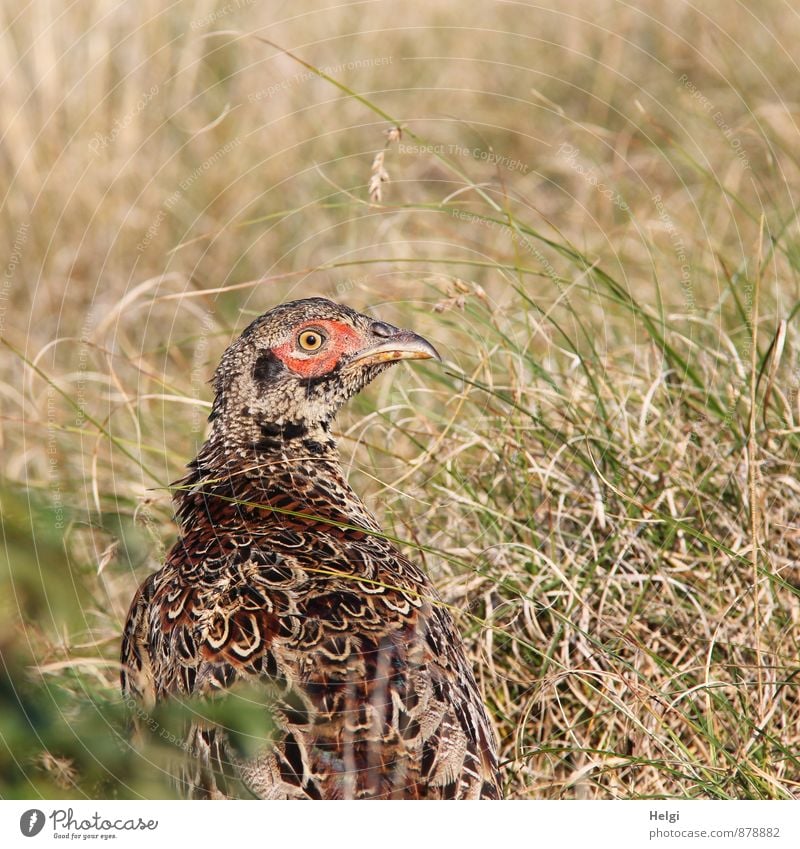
{"points": [[341, 339]]}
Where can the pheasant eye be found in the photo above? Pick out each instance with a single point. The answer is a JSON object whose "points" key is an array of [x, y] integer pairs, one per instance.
{"points": [[311, 340]]}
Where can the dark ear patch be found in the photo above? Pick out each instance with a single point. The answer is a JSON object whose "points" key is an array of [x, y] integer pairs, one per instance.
{"points": [[267, 367]]}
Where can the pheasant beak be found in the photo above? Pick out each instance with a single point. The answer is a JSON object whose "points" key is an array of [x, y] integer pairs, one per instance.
{"points": [[387, 344]]}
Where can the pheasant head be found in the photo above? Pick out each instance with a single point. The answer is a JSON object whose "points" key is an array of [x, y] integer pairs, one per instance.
{"points": [[292, 369]]}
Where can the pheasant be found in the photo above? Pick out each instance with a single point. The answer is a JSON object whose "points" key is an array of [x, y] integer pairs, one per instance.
{"points": [[282, 579]]}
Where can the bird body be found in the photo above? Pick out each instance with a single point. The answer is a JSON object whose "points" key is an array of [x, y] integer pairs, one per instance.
{"points": [[282, 578]]}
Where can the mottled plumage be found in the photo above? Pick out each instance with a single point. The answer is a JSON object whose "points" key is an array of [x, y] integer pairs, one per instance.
{"points": [[281, 578]]}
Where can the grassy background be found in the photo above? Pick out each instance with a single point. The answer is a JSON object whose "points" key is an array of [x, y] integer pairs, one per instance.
{"points": [[591, 213]]}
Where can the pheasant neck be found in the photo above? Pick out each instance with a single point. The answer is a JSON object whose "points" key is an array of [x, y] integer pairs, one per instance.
{"points": [[291, 467]]}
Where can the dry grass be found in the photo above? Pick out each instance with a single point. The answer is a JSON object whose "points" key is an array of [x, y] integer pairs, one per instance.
{"points": [[591, 213]]}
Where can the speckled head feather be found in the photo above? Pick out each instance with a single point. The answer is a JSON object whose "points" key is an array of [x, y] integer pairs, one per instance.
{"points": [[298, 363], [282, 580]]}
